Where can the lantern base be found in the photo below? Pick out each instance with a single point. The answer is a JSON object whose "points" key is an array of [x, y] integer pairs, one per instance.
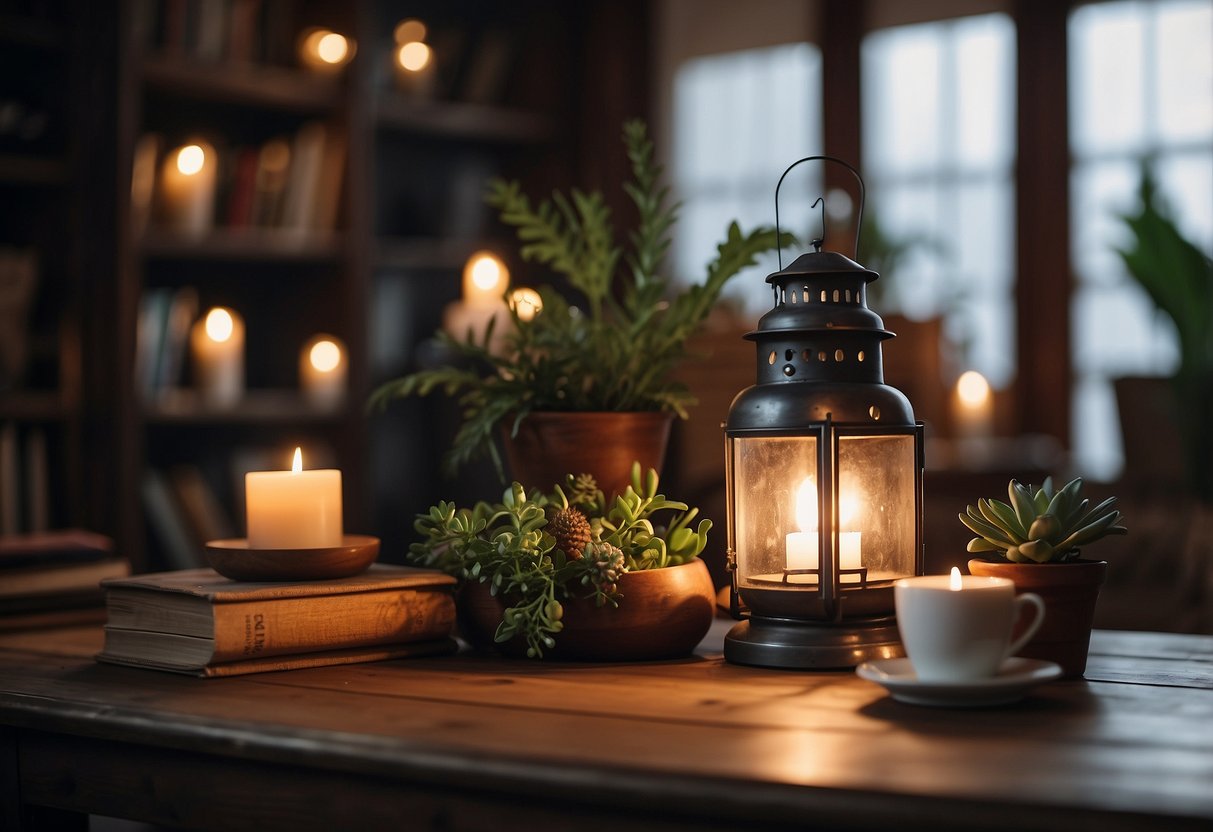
{"points": [[811, 645]]}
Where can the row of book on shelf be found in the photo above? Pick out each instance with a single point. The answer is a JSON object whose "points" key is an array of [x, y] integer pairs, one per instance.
{"points": [[289, 184], [254, 31], [25, 486]]}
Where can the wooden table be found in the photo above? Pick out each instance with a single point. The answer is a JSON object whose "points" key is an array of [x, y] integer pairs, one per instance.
{"points": [[478, 743]]}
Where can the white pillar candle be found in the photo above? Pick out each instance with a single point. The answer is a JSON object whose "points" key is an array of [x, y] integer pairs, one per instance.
{"points": [[293, 509], [485, 279], [217, 350], [801, 547], [973, 406], [187, 188], [323, 369]]}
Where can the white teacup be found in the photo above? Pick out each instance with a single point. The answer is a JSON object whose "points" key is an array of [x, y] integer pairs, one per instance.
{"points": [[957, 628]]}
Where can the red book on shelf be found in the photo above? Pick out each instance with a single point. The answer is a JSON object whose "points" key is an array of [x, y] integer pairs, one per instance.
{"points": [[244, 185]]}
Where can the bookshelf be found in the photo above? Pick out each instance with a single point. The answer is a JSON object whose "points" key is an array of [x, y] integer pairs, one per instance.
{"points": [[376, 273]]}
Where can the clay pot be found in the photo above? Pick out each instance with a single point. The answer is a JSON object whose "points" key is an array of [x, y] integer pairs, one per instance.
{"points": [[1069, 591], [662, 614], [550, 445]]}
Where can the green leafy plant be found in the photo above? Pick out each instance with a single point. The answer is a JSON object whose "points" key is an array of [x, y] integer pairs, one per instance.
{"points": [[616, 355], [1178, 277], [1040, 525], [511, 546]]}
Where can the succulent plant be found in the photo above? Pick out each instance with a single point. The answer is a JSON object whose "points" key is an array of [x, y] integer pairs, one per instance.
{"points": [[1040, 525]]}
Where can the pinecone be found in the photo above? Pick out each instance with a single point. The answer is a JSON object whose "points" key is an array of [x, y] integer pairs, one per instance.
{"points": [[571, 530]]}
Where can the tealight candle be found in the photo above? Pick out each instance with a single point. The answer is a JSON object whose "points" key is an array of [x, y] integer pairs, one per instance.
{"points": [[293, 509], [323, 370], [187, 188], [217, 350]]}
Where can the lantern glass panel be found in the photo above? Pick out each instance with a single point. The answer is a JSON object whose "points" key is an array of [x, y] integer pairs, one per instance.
{"points": [[877, 500], [767, 472]]}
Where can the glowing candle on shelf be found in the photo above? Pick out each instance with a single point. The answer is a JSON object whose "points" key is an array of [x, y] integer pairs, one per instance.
{"points": [[323, 371], [526, 302], [414, 59], [485, 278], [217, 349], [324, 50], [293, 509], [187, 188], [801, 546], [973, 405]]}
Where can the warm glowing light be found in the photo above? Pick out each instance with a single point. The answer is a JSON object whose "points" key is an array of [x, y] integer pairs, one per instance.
{"points": [[484, 280], [806, 506], [332, 48], [191, 159], [413, 56], [526, 302], [973, 388], [955, 582], [297, 462], [410, 30], [219, 324], [801, 546], [325, 356]]}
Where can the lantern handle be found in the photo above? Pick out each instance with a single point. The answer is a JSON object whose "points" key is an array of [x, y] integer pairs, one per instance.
{"points": [[859, 219]]}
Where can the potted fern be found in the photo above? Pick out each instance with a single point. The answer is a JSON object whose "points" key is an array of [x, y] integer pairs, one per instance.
{"points": [[585, 387], [1035, 540]]}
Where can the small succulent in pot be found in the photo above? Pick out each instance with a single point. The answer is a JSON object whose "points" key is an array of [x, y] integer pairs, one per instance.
{"points": [[1040, 525]]}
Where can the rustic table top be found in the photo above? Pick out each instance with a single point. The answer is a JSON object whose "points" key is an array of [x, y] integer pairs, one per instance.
{"points": [[482, 742]]}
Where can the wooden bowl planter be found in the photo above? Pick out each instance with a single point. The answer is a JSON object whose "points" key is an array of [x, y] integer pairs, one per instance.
{"points": [[1070, 591], [662, 614]]}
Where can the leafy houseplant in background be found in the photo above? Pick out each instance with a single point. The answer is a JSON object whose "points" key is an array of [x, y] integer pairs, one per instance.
{"points": [[615, 356], [1035, 540], [1178, 277], [569, 574]]}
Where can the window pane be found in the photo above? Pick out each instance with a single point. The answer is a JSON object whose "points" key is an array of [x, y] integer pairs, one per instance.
{"points": [[739, 120], [1107, 72], [1182, 39], [901, 99], [986, 90]]}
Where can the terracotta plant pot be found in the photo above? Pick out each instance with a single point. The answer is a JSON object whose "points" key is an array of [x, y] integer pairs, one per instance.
{"points": [[1069, 591], [550, 445], [662, 614]]}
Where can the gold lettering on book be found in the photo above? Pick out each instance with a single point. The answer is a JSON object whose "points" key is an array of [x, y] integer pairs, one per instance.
{"points": [[254, 633]]}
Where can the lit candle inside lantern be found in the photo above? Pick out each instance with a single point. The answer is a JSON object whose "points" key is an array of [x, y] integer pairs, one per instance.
{"points": [[323, 370], [973, 405], [293, 509], [324, 50], [801, 546], [187, 188], [217, 350]]}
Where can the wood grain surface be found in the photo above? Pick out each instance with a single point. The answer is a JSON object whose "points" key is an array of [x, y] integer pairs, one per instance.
{"points": [[477, 742]]}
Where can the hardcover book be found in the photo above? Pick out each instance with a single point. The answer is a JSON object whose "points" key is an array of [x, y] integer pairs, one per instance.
{"points": [[196, 621]]}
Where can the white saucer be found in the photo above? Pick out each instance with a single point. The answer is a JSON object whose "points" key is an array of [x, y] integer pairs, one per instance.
{"points": [[1014, 678]]}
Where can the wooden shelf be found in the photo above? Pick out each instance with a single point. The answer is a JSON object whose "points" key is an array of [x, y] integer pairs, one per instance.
{"points": [[258, 407], [402, 113], [249, 245], [20, 169], [244, 84], [35, 406]]}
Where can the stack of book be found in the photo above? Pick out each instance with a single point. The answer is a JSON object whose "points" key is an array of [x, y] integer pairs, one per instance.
{"points": [[54, 578], [200, 623]]}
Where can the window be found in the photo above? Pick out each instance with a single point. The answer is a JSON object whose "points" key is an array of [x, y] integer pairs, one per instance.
{"points": [[939, 150], [739, 120], [1141, 86]]}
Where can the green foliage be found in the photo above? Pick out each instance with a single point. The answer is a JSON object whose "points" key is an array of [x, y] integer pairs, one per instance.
{"points": [[619, 353], [1040, 525], [505, 545], [1178, 277]]}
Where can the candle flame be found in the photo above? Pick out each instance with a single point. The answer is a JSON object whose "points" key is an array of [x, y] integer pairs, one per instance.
{"points": [[190, 159], [526, 302], [956, 582], [325, 356], [973, 388], [332, 48], [297, 462], [219, 324], [806, 506], [413, 56]]}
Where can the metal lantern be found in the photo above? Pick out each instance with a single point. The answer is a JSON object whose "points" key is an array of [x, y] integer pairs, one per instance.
{"points": [[824, 469]]}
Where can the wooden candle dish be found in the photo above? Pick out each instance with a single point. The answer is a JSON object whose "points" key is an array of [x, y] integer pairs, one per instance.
{"points": [[234, 559]]}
